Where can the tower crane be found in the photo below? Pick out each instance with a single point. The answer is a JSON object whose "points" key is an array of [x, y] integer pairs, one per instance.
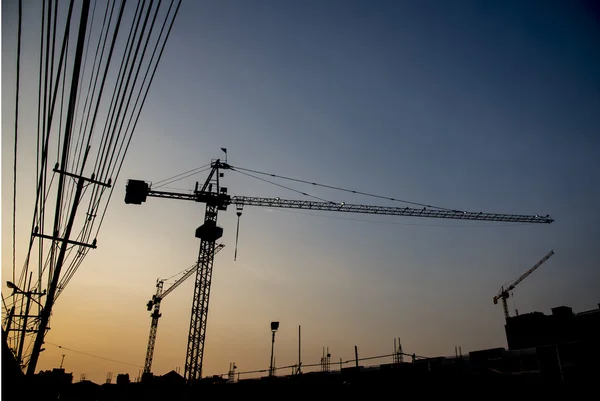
{"points": [[216, 199], [504, 293], [155, 302]]}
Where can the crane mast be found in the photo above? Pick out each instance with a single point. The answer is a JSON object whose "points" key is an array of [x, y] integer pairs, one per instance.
{"points": [[155, 302], [153, 325], [504, 294], [216, 199]]}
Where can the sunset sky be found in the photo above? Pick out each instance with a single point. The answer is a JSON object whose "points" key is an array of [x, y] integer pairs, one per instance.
{"points": [[472, 105]]}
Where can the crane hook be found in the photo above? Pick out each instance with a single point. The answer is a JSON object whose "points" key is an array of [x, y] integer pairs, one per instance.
{"points": [[239, 213]]}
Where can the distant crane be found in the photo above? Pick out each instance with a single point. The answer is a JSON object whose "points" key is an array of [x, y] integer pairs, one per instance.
{"points": [[155, 302], [504, 293], [216, 198]]}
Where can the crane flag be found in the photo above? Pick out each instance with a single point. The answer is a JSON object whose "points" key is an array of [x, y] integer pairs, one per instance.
{"points": [[224, 150]]}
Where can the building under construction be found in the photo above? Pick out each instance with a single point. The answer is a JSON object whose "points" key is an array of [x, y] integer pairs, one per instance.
{"points": [[566, 343]]}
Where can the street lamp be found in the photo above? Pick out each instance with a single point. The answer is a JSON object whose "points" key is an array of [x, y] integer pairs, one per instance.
{"points": [[28, 294], [274, 327]]}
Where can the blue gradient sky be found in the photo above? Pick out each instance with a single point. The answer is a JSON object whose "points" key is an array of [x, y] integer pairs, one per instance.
{"points": [[476, 105]]}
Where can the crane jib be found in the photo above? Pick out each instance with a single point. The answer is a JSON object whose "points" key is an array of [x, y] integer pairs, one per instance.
{"points": [[388, 210], [137, 192]]}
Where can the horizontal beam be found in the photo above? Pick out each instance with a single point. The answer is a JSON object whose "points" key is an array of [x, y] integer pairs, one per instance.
{"points": [[388, 210], [354, 208], [172, 195], [68, 241]]}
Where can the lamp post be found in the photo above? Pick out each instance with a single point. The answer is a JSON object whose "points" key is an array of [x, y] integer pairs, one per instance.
{"points": [[274, 327]]}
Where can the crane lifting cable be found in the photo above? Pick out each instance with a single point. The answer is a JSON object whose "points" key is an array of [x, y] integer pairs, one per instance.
{"points": [[237, 233]]}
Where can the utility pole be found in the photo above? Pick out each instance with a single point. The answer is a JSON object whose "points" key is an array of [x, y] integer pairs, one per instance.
{"points": [[47, 309], [23, 329], [65, 241], [299, 371]]}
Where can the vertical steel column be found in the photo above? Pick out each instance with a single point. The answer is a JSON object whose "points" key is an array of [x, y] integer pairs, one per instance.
{"points": [[199, 315], [153, 328]]}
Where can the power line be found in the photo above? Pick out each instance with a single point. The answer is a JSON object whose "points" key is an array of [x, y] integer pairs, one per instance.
{"points": [[147, 88], [342, 362], [75, 127], [14, 226], [136, 54], [146, 92], [90, 94], [92, 355]]}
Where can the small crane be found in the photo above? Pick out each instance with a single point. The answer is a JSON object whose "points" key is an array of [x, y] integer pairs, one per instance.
{"points": [[504, 293], [216, 199], [155, 302]]}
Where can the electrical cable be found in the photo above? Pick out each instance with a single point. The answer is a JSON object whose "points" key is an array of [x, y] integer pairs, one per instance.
{"points": [[99, 64], [92, 355], [41, 114], [40, 204], [100, 160], [53, 46], [47, 135], [135, 80], [45, 124], [145, 94], [14, 225], [89, 93], [131, 92], [104, 78], [100, 164], [78, 262], [39, 111], [344, 189], [4, 303], [337, 363], [126, 100]]}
